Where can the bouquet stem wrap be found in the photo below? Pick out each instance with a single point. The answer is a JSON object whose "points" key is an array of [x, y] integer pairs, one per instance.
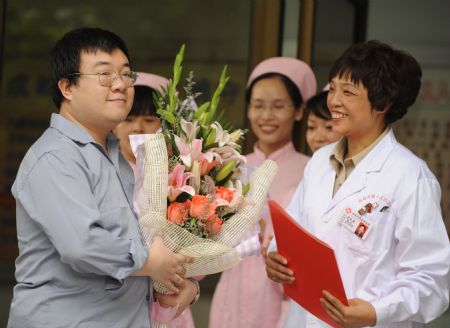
{"points": [[210, 255]]}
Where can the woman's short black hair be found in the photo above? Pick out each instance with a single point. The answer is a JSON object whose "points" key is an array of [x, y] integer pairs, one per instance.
{"points": [[66, 55], [294, 94], [143, 101], [392, 77], [317, 105]]}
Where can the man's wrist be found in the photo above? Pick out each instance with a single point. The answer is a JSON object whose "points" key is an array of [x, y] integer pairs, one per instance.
{"points": [[197, 285]]}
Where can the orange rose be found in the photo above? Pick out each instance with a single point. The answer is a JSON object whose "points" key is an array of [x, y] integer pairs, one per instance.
{"points": [[214, 226], [224, 193], [205, 167], [202, 208], [178, 212]]}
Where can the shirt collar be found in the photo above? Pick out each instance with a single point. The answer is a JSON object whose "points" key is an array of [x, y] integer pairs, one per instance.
{"points": [[277, 155], [338, 152], [76, 132]]}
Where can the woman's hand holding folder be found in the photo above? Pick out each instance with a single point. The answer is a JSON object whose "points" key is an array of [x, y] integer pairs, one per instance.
{"points": [[358, 313], [277, 269]]}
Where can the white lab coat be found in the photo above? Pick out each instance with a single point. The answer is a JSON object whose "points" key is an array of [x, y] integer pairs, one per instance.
{"points": [[402, 267]]}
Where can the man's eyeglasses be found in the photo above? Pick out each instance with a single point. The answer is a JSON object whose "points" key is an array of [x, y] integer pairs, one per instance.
{"points": [[107, 79]]}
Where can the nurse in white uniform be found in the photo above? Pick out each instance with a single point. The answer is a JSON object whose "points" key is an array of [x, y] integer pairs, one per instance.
{"points": [[373, 201]]}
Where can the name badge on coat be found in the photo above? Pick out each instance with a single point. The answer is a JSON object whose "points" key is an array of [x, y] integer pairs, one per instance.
{"points": [[355, 223]]}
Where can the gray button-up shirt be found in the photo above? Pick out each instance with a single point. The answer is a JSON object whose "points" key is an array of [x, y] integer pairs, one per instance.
{"points": [[79, 240]]}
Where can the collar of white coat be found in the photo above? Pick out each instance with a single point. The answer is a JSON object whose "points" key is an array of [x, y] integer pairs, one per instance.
{"points": [[357, 181], [375, 159]]}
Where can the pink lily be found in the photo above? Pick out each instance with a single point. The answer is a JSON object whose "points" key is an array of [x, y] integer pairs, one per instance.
{"points": [[192, 151], [227, 154], [224, 138], [177, 183], [189, 129]]}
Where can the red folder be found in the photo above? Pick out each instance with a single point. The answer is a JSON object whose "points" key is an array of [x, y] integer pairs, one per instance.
{"points": [[313, 262]]}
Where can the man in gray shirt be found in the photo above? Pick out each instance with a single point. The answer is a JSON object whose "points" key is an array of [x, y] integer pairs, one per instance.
{"points": [[82, 262]]}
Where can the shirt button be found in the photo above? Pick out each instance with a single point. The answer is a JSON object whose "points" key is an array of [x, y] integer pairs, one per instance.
{"points": [[326, 219]]}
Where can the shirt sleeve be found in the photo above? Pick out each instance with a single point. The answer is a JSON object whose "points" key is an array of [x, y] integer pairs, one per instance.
{"points": [[420, 291], [57, 194]]}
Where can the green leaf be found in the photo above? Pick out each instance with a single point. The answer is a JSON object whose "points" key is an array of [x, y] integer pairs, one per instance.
{"points": [[225, 170], [201, 110], [167, 116], [213, 145], [216, 97], [245, 189], [211, 137], [177, 69]]}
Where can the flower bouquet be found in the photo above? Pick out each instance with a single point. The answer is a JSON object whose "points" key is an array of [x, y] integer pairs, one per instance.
{"points": [[193, 194]]}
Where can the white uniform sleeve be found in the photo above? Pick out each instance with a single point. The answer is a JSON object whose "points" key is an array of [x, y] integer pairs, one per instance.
{"points": [[420, 291]]}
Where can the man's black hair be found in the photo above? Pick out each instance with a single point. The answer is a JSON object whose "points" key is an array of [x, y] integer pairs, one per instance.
{"points": [[65, 56]]}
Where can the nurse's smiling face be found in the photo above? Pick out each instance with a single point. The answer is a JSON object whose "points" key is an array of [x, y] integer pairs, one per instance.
{"points": [[272, 114], [352, 112]]}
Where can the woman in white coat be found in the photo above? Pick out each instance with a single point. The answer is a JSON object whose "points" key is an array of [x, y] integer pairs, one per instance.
{"points": [[396, 273]]}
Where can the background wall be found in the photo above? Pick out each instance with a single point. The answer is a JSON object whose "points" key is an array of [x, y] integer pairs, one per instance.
{"points": [[422, 28]]}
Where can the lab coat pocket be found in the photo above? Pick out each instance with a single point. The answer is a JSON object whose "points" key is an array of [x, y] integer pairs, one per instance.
{"points": [[372, 244]]}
